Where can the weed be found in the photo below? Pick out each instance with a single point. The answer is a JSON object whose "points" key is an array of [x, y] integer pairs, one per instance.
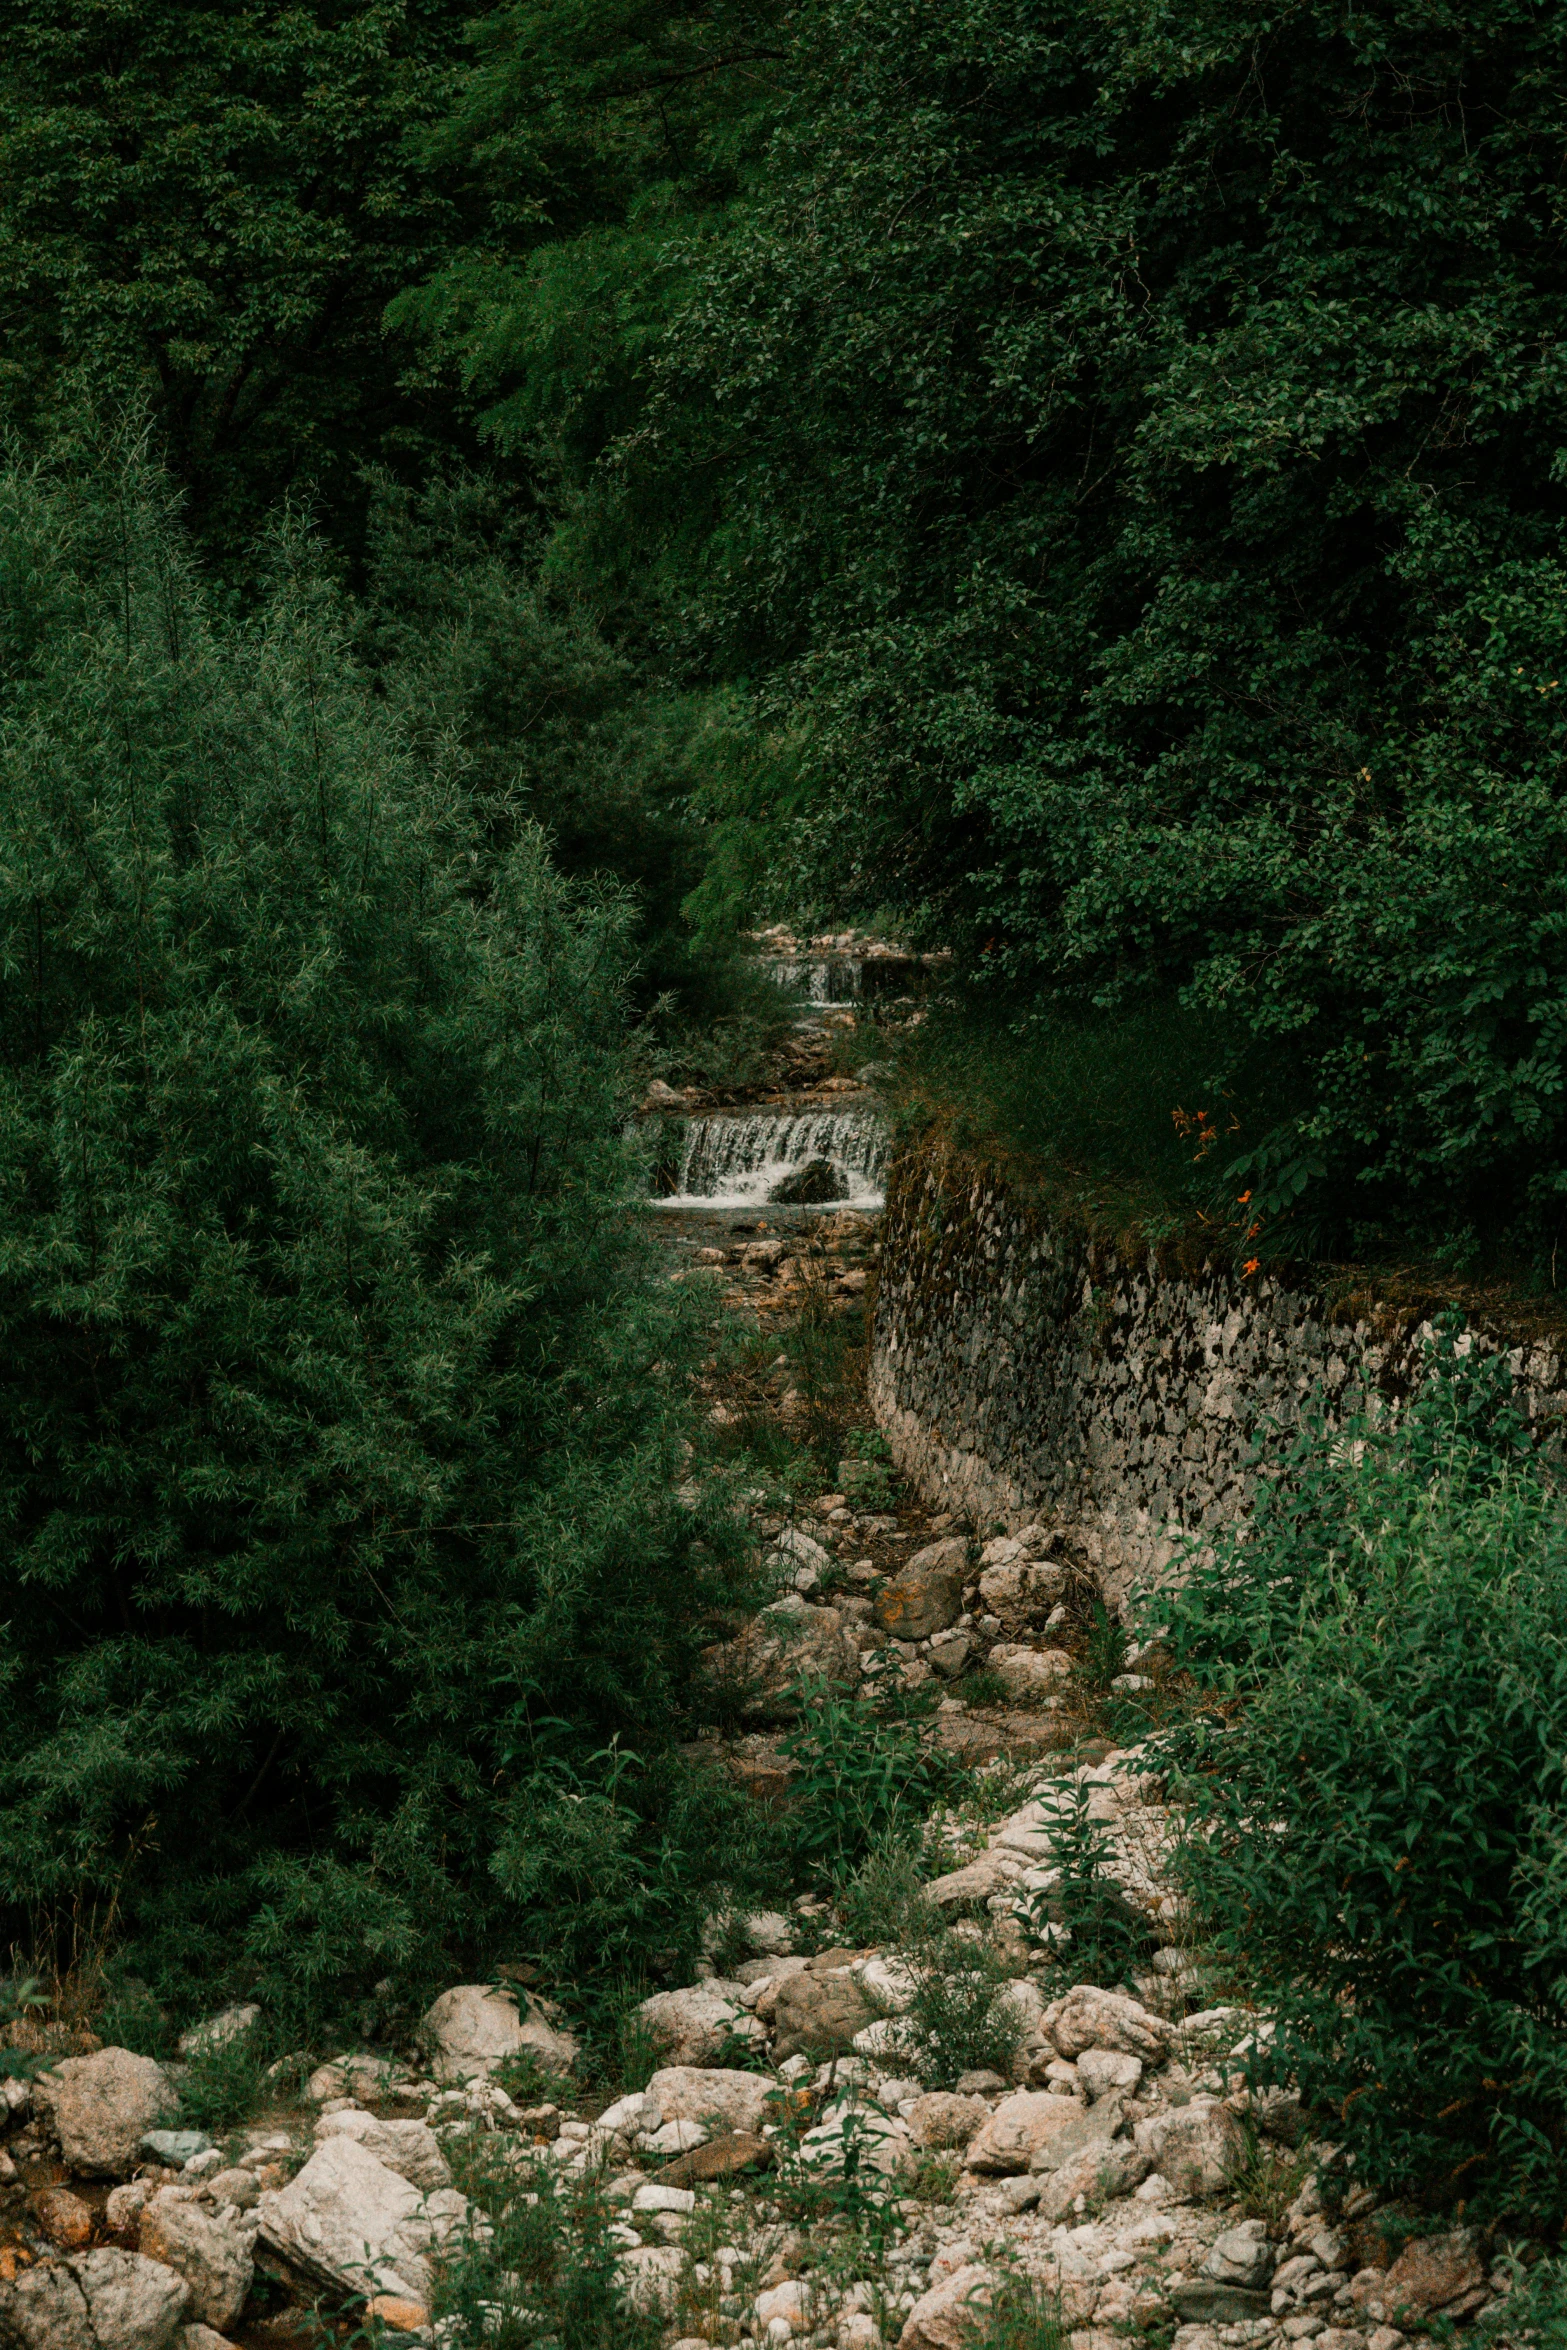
{"points": [[858, 1779], [960, 2019], [885, 1899], [936, 2179], [1270, 2178], [21, 1997], [224, 2081], [819, 2184], [538, 2266], [1103, 1654], [1108, 1940], [1022, 2317], [986, 1690]]}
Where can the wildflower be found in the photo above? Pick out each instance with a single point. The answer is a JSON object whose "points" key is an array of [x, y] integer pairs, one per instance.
{"points": [[1251, 1265]]}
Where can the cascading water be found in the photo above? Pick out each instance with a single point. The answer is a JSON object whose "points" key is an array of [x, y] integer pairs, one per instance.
{"points": [[746, 1157], [818, 979]]}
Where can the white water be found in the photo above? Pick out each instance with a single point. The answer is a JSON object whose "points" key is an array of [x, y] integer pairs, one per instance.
{"points": [[735, 1159], [818, 979]]}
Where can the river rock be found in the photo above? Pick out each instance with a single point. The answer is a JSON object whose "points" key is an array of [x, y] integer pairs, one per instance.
{"points": [[1090, 2018], [941, 2118], [358, 2227], [1198, 2147], [221, 2030], [691, 2026], [1030, 1674], [1098, 2171], [786, 1642], [926, 1595], [101, 2300], [818, 2015], [948, 2317], [711, 2094], [1434, 2273], [210, 2246], [473, 2028], [1019, 2129], [101, 2105], [410, 2148]]}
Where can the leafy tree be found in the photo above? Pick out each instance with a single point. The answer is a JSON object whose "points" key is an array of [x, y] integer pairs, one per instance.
{"points": [[1125, 448], [1373, 1787], [340, 1417], [207, 209]]}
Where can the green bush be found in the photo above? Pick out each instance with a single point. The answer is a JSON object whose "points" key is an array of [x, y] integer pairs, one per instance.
{"points": [[1377, 1786], [858, 1780], [339, 1414], [1106, 1940], [960, 2019]]}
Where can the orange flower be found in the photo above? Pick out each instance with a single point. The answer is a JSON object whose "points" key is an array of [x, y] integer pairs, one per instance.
{"points": [[1251, 1264], [1241, 1198]]}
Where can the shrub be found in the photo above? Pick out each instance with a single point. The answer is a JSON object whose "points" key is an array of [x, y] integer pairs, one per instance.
{"points": [[960, 2019], [339, 1418], [540, 2268], [858, 1780], [1377, 1815], [1107, 1939]]}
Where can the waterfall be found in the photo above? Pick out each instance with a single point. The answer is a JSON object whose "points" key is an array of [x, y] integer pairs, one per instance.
{"points": [[818, 979], [738, 1158]]}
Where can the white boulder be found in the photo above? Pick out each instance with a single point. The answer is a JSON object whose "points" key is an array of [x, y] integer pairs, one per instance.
{"points": [[358, 2227], [410, 2148], [711, 2094], [101, 2105], [103, 2300], [473, 2028]]}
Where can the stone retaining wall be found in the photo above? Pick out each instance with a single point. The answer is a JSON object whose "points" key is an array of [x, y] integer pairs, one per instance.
{"points": [[1022, 1371]]}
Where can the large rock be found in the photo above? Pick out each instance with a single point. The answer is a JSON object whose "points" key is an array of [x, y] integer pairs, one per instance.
{"points": [[926, 1595], [940, 2118], [1241, 2256], [1434, 2273], [103, 2300], [1098, 2171], [784, 1644], [473, 2028], [1199, 2147], [1089, 2129], [102, 2104], [651, 2275], [1029, 1675], [689, 2027], [720, 2158], [1018, 1591], [356, 2226], [712, 2095], [1019, 2129], [410, 2148], [1202, 2301], [971, 1886], [951, 2315], [209, 2245], [818, 2015], [1090, 2018]]}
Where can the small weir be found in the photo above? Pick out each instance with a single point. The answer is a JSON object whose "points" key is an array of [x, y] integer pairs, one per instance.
{"points": [[804, 1158]]}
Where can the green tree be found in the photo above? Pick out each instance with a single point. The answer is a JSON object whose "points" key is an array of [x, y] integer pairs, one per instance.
{"points": [[207, 210], [339, 1412], [1125, 448]]}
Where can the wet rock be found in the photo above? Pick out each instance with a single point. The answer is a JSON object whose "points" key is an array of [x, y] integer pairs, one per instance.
{"points": [[473, 2028], [209, 2246], [100, 2300], [101, 2107], [926, 1595], [812, 1185]]}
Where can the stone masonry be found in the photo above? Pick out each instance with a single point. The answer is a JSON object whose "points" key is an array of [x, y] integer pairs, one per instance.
{"points": [[1022, 1370]]}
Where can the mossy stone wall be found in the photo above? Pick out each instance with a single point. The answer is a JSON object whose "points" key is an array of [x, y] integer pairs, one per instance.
{"points": [[1022, 1369]]}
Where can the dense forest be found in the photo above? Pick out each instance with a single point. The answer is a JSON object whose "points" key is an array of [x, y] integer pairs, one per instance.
{"points": [[498, 503]]}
